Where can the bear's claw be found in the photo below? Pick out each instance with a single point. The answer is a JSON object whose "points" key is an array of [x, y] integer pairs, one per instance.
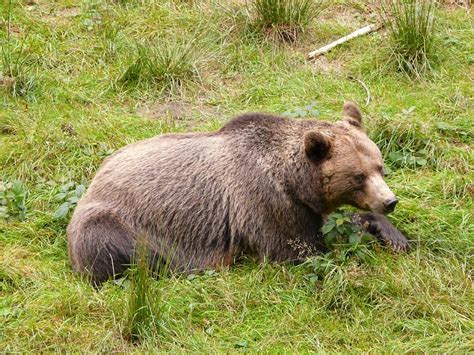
{"points": [[379, 226], [396, 241]]}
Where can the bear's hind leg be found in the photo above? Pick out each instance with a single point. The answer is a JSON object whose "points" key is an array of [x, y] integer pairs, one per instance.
{"points": [[100, 244]]}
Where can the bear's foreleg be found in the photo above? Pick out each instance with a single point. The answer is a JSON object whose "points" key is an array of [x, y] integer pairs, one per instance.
{"points": [[379, 226]]}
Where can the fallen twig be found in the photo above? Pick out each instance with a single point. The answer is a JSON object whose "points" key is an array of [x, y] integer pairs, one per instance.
{"points": [[366, 88], [359, 32]]}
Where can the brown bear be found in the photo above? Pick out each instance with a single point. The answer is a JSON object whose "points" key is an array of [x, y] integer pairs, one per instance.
{"points": [[253, 187]]}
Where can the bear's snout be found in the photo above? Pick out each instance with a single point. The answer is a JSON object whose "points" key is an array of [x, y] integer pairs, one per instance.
{"points": [[378, 197], [390, 204]]}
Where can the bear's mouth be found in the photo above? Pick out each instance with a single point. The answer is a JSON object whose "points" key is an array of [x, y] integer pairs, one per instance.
{"points": [[375, 209], [381, 210]]}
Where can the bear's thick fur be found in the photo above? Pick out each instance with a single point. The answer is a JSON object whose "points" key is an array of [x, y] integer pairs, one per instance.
{"points": [[259, 185]]}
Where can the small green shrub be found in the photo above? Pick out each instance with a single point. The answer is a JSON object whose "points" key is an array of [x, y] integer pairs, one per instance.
{"points": [[339, 230], [349, 253], [285, 19], [12, 200], [168, 66], [411, 27]]}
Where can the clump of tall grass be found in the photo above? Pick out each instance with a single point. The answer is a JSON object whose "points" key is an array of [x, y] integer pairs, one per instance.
{"points": [[411, 26], [144, 305], [285, 20], [17, 75], [16, 72], [169, 66]]}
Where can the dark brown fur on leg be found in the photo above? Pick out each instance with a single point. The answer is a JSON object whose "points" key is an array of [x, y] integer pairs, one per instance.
{"points": [[104, 247], [379, 226]]}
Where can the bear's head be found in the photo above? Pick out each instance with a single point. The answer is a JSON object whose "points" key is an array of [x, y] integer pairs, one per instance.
{"points": [[346, 166]]}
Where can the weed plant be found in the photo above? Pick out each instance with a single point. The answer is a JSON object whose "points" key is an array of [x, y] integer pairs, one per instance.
{"points": [[12, 200]]}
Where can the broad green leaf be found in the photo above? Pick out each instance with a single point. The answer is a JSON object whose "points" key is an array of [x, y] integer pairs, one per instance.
{"points": [[73, 200], [80, 189], [60, 196], [327, 227], [62, 211], [241, 344], [341, 229], [3, 212], [421, 161], [354, 239]]}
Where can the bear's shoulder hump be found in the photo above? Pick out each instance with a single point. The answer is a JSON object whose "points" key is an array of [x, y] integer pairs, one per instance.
{"points": [[253, 120]]}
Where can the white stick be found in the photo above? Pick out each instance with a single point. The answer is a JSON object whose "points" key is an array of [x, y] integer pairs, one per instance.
{"points": [[359, 32]]}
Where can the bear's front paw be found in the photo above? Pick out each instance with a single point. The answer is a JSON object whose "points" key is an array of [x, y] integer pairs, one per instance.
{"points": [[389, 235], [396, 240], [380, 227]]}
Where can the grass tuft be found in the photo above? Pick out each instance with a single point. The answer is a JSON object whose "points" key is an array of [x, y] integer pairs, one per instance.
{"points": [[168, 66], [411, 26], [16, 72], [17, 76], [285, 20], [144, 303]]}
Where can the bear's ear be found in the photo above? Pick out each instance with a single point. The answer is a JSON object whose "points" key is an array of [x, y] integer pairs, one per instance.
{"points": [[317, 146], [352, 114]]}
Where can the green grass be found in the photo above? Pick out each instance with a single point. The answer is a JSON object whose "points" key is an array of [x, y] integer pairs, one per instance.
{"points": [[285, 20], [411, 25], [54, 138], [17, 75], [144, 301], [167, 67]]}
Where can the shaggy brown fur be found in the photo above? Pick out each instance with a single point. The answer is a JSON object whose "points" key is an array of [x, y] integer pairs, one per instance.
{"points": [[256, 186]]}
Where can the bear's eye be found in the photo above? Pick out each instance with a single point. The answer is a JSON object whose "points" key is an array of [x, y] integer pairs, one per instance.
{"points": [[381, 170], [359, 178]]}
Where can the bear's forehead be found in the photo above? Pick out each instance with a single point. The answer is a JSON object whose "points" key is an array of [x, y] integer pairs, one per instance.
{"points": [[360, 143], [368, 148]]}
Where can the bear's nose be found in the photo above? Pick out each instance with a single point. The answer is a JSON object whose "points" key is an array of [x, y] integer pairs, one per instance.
{"points": [[390, 204]]}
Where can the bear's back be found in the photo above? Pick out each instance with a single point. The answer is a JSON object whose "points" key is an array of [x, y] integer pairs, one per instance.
{"points": [[254, 123]]}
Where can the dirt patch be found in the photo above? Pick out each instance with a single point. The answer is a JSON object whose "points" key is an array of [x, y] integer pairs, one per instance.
{"points": [[183, 113], [454, 4], [56, 16], [7, 130], [175, 110], [324, 65], [349, 16], [7, 81]]}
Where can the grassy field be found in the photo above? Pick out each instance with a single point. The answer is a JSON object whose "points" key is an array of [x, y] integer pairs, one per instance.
{"points": [[81, 79]]}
